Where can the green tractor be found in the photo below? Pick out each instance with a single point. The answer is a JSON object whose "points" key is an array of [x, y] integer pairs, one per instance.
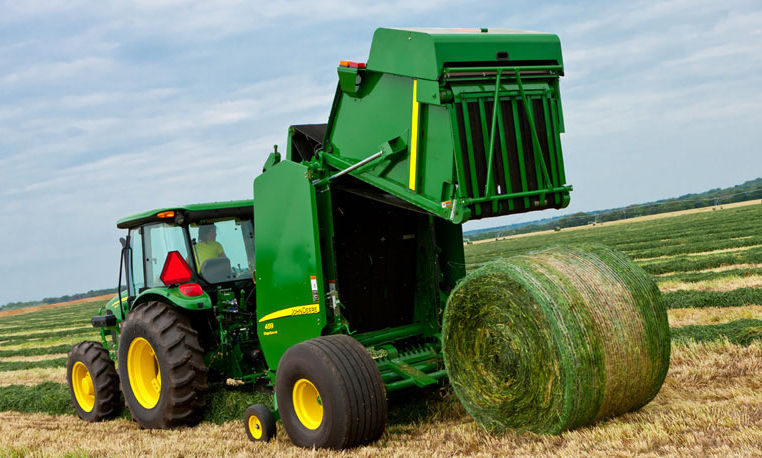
{"points": [[330, 285]]}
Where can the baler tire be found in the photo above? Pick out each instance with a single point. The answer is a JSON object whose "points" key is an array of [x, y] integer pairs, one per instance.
{"points": [[259, 423], [175, 395], [330, 394], [89, 364]]}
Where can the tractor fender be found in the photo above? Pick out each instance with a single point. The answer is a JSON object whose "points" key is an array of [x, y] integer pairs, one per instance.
{"points": [[172, 296]]}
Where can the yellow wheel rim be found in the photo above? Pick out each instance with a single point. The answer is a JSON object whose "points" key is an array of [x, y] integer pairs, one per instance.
{"points": [[144, 373], [307, 404], [255, 427], [83, 387]]}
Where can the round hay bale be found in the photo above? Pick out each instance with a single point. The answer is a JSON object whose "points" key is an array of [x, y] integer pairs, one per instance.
{"points": [[555, 339]]}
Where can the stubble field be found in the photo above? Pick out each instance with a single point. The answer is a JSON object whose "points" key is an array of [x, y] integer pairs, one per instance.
{"points": [[708, 265]]}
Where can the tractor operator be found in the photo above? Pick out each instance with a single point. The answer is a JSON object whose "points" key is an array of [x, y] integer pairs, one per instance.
{"points": [[207, 247]]}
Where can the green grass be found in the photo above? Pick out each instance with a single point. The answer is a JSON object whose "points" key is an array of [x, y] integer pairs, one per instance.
{"points": [[701, 262], [701, 299], [36, 351], [697, 247], [694, 277], [740, 332], [229, 404], [43, 343], [720, 227], [54, 315], [52, 398], [47, 397], [24, 365], [19, 338]]}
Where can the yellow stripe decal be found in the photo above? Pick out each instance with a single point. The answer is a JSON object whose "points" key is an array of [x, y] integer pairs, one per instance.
{"points": [[308, 309], [414, 137]]}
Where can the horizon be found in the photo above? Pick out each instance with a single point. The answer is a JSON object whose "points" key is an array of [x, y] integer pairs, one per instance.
{"points": [[110, 110]]}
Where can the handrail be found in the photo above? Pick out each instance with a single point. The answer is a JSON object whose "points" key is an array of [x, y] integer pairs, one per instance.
{"points": [[477, 200], [550, 68]]}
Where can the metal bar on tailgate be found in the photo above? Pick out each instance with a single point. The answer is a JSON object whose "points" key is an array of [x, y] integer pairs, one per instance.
{"points": [[485, 142], [551, 147], [491, 150], [504, 153], [460, 172], [557, 140], [536, 150], [520, 149], [519, 194], [470, 148]]}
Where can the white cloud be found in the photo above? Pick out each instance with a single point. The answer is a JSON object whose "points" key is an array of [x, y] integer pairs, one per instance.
{"points": [[56, 71]]}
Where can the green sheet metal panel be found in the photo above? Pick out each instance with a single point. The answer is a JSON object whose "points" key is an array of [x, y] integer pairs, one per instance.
{"points": [[143, 217], [290, 295], [421, 53], [382, 113]]}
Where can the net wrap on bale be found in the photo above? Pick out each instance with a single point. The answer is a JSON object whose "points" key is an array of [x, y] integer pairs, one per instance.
{"points": [[555, 339]]}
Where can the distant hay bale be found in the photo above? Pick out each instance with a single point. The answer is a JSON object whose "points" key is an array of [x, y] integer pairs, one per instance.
{"points": [[555, 339]]}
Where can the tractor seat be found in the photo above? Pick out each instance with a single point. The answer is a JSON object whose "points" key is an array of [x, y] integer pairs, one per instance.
{"points": [[216, 270]]}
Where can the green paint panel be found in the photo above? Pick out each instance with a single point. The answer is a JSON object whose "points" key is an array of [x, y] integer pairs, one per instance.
{"points": [[140, 218], [288, 254], [422, 53]]}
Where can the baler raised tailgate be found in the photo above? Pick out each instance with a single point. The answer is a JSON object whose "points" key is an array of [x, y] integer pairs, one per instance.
{"points": [[508, 159]]}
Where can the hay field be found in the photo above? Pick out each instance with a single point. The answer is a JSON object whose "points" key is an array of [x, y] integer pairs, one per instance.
{"points": [[707, 264]]}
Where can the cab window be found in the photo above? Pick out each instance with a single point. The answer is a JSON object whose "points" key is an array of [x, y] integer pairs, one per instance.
{"points": [[135, 263], [223, 249], [160, 239]]}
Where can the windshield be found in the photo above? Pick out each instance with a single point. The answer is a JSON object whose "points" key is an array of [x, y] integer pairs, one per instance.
{"points": [[223, 249]]}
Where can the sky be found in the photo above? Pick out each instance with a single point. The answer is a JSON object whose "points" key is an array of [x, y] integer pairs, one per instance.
{"points": [[112, 108]]}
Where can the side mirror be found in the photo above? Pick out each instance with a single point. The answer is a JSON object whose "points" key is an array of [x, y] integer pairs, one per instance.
{"points": [[123, 241]]}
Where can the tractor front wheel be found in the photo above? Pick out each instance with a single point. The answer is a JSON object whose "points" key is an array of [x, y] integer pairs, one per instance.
{"points": [[93, 382], [330, 394], [161, 367]]}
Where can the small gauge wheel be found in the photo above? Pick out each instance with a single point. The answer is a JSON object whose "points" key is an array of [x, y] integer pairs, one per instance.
{"points": [[259, 423]]}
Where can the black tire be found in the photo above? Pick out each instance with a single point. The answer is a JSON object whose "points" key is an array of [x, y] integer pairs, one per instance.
{"points": [[259, 423], [179, 400], [101, 396], [350, 393]]}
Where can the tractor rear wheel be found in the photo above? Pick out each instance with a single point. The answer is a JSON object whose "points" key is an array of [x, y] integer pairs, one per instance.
{"points": [[93, 382], [161, 367], [330, 394]]}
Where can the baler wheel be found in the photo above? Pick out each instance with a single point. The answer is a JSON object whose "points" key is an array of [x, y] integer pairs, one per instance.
{"points": [[161, 367], [93, 382], [330, 394], [259, 423]]}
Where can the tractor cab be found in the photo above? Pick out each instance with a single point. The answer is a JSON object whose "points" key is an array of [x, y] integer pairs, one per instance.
{"points": [[197, 260], [189, 255]]}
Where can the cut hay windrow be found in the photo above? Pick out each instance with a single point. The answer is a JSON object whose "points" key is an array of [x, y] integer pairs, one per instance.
{"points": [[742, 332], [555, 339]]}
